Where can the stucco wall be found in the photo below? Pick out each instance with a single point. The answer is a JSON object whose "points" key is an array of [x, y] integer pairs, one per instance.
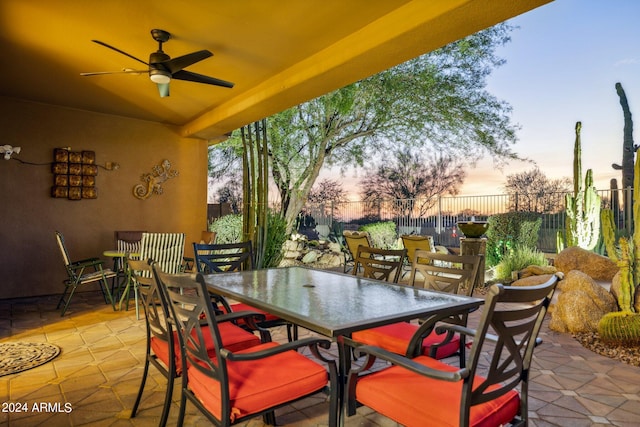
{"points": [[30, 262]]}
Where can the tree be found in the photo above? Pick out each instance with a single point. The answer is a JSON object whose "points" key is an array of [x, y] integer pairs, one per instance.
{"points": [[324, 198], [532, 191], [436, 101], [231, 193], [415, 180], [225, 169]]}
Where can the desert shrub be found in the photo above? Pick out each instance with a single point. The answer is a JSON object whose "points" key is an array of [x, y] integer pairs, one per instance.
{"points": [[517, 259], [276, 237], [228, 228], [383, 234], [508, 229]]}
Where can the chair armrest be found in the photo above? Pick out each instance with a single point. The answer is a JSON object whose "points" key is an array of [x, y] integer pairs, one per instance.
{"points": [[462, 330], [294, 345], [90, 262], [410, 364], [249, 316]]}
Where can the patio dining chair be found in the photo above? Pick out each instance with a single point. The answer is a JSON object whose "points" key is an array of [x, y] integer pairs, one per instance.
{"points": [[162, 344], [424, 391], [379, 264], [206, 237], [80, 273], [413, 242], [443, 272], [229, 257], [230, 386], [165, 249], [353, 240]]}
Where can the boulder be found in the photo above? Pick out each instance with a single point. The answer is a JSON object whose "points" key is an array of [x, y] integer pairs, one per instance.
{"points": [[532, 280], [310, 257], [615, 291], [580, 304], [596, 266], [537, 270]]}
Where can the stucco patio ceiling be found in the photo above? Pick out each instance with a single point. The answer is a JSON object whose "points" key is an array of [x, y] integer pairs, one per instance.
{"points": [[278, 53]]}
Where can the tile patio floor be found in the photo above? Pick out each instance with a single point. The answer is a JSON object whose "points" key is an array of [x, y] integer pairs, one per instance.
{"points": [[100, 365]]}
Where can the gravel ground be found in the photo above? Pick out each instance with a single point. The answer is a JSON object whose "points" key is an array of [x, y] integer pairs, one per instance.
{"points": [[629, 355]]}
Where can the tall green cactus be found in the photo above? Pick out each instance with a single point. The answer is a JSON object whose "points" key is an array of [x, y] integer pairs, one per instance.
{"points": [[583, 206], [623, 327]]}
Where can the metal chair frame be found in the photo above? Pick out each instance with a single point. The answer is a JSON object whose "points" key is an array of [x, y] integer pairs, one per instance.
{"points": [[503, 342], [80, 273], [189, 301]]}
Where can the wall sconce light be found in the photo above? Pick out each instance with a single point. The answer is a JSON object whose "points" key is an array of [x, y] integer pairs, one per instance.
{"points": [[8, 151]]}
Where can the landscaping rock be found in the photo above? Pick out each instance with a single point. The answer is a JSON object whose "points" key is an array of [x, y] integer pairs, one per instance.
{"points": [[581, 304], [310, 257], [596, 266], [532, 280], [537, 270]]}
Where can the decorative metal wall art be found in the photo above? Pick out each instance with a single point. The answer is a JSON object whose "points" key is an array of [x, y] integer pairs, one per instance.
{"points": [[153, 181], [74, 174]]}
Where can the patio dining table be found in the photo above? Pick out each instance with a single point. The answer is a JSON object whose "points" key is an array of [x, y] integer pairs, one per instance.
{"points": [[334, 304]]}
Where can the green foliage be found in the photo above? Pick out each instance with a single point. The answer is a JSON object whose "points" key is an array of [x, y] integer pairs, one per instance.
{"points": [[583, 206], [626, 251], [517, 259], [228, 228], [508, 229], [276, 237], [623, 327], [383, 234], [620, 328], [437, 101]]}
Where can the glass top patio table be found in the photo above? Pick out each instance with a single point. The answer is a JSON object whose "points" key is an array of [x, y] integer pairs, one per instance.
{"points": [[334, 304]]}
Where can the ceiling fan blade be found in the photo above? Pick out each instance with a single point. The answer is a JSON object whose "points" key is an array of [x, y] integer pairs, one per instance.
{"points": [[99, 73], [119, 51], [176, 64], [163, 89], [199, 78]]}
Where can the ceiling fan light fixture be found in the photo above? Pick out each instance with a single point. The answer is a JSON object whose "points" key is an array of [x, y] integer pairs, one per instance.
{"points": [[160, 77]]}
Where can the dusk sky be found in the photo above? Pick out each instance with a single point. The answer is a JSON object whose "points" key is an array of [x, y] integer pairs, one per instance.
{"points": [[562, 66], [563, 62]]}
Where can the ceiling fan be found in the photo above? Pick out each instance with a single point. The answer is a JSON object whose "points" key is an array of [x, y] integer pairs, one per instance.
{"points": [[162, 68]]}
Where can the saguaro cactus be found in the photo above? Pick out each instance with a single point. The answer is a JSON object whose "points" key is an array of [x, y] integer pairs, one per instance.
{"points": [[583, 206], [624, 326]]}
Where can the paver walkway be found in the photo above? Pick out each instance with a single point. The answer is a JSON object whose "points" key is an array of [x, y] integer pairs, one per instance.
{"points": [[99, 369]]}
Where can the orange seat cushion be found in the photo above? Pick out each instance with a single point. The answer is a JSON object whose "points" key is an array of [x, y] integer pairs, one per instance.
{"points": [[415, 400], [257, 385], [395, 338], [233, 337]]}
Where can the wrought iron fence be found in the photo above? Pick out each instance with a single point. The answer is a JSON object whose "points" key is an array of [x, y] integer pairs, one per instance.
{"points": [[438, 217]]}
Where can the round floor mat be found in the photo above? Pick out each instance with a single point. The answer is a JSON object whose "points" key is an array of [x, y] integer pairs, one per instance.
{"points": [[20, 356]]}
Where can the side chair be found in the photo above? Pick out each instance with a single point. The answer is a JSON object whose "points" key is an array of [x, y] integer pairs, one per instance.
{"points": [[162, 344], [379, 264], [126, 242], [353, 240], [230, 386], [206, 237], [229, 257], [423, 391], [82, 272], [413, 242], [443, 272], [165, 249]]}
